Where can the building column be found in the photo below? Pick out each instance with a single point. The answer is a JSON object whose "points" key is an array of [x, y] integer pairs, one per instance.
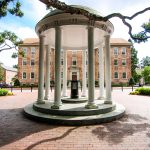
{"points": [[57, 92], [41, 72], [108, 70], [47, 81], [83, 73], [101, 73], [91, 70], [64, 93]]}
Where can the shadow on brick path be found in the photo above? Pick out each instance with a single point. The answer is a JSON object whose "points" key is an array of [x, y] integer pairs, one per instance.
{"points": [[52, 139], [114, 133], [14, 126]]}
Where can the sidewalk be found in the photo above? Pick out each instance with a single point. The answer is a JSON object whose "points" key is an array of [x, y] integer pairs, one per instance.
{"points": [[132, 132]]}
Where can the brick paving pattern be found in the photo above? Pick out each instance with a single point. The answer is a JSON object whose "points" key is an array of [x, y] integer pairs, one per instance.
{"points": [[132, 132]]}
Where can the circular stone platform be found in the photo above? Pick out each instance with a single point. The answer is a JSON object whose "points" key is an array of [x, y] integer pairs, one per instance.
{"points": [[75, 100], [74, 114]]}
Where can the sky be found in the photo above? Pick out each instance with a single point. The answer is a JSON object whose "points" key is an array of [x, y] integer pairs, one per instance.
{"points": [[34, 10]]}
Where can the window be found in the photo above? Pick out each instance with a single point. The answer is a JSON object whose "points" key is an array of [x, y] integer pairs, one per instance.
{"points": [[61, 74], [24, 75], [123, 62], [124, 75], [74, 52], [61, 61], [115, 50], [115, 62], [32, 62], [24, 49], [62, 53], [116, 75], [123, 51], [86, 75], [32, 75], [24, 62], [74, 61], [32, 52]]}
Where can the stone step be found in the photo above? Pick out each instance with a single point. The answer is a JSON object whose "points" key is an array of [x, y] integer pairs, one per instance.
{"points": [[74, 120], [77, 109]]}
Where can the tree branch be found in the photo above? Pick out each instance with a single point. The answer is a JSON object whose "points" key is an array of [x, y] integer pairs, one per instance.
{"points": [[8, 48], [3, 45], [74, 10]]}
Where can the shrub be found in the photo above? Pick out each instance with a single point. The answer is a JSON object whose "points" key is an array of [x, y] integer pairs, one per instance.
{"points": [[9, 93], [3, 92], [134, 93], [131, 82], [143, 91], [16, 82], [119, 84]]}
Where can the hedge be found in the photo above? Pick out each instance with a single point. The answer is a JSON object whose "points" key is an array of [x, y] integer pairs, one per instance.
{"points": [[141, 91], [3, 92]]}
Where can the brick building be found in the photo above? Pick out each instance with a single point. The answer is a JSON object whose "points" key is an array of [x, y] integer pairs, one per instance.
{"points": [[8, 73], [120, 60]]}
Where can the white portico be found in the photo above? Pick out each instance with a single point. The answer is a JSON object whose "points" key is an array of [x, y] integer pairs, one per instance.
{"points": [[65, 31]]}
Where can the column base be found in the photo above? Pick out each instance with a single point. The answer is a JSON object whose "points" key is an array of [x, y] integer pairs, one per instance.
{"points": [[46, 98], [91, 106], [40, 102], [55, 106], [100, 98], [108, 102], [83, 95], [64, 95]]}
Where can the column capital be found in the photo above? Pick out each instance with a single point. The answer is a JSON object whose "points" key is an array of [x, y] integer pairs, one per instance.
{"points": [[58, 28], [90, 27], [41, 36], [107, 36]]}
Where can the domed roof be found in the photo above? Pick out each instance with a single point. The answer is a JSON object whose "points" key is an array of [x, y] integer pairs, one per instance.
{"points": [[57, 11]]}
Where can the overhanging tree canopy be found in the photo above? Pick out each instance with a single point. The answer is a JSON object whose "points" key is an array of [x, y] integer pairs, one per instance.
{"points": [[143, 36], [13, 7]]}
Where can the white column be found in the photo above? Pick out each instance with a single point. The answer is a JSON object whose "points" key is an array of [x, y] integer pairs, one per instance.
{"points": [[91, 70], [57, 92], [108, 70], [41, 72], [64, 92], [83, 73], [101, 73], [47, 81]]}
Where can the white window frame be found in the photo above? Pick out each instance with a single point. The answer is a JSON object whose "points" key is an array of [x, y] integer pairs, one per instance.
{"points": [[31, 76], [61, 75], [114, 75], [74, 59], [126, 75], [124, 61], [122, 51], [31, 63], [74, 52], [33, 52], [115, 48], [62, 61], [25, 50], [23, 76], [114, 62], [86, 75], [24, 60]]}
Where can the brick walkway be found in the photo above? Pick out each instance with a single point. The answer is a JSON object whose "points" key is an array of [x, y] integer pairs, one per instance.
{"points": [[132, 132]]}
